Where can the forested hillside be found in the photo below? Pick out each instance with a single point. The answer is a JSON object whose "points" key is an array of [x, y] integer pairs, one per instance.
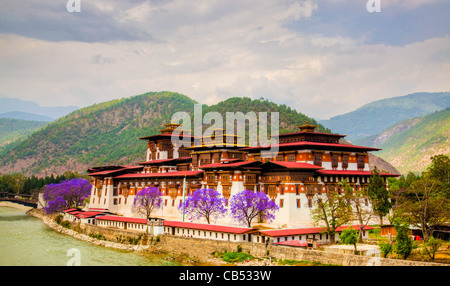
{"points": [[12, 129]]}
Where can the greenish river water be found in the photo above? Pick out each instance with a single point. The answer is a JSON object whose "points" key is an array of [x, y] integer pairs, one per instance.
{"points": [[27, 241]]}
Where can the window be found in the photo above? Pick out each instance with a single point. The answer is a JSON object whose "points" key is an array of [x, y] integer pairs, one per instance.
{"points": [[334, 161], [291, 157], [361, 161], [345, 161], [318, 159], [281, 203], [298, 203], [309, 202]]}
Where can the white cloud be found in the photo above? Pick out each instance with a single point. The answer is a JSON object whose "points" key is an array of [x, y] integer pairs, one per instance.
{"points": [[217, 49]]}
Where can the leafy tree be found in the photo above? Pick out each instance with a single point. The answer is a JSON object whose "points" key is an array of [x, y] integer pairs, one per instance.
{"points": [[73, 192], [440, 170], [349, 236], [358, 199], [204, 203], [147, 201], [333, 210], [431, 247], [379, 195], [247, 205], [58, 204], [425, 204], [404, 244], [385, 248]]}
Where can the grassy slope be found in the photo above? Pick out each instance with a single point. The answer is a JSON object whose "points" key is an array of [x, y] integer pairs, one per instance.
{"points": [[411, 149]]}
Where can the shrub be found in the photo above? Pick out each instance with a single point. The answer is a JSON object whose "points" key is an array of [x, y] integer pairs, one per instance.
{"points": [[232, 257], [385, 248]]}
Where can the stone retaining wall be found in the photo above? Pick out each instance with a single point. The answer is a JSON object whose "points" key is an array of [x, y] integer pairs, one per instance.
{"points": [[202, 249]]}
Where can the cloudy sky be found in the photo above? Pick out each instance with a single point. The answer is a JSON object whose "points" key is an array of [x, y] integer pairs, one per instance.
{"points": [[323, 57]]}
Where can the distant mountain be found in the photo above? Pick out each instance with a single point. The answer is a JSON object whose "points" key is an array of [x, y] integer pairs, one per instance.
{"points": [[13, 129], [409, 145], [26, 116], [375, 117], [106, 133], [13, 105]]}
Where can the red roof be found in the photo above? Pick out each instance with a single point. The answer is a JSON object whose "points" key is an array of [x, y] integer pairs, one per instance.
{"points": [[295, 243], [313, 144], [226, 165], [124, 168], [165, 160], [123, 219], [307, 132], [89, 214], [208, 227], [165, 136], [349, 173], [157, 175], [294, 165], [70, 210], [300, 231]]}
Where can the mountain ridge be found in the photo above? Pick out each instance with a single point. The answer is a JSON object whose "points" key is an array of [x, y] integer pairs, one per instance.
{"points": [[374, 117], [106, 133]]}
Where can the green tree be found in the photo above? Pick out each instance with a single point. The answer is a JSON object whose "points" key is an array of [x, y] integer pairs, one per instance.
{"points": [[379, 195], [404, 244], [349, 236], [385, 248], [440, 170], [333, 210], [431, 247], [425, 204], [358, 199]]}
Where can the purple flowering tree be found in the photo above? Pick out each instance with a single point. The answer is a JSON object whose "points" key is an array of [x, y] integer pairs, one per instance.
{"points": [[204, 203], [147, 201], [67, 194], [247, 205]]}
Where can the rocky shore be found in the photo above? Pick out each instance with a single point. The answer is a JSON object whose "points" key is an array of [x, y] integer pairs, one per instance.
{"points": [[213, 261], [49, 220]]}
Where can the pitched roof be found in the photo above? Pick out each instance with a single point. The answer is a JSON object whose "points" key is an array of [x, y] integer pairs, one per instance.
{"points": [[301, 231], [122, 219], [352, 172], [158, 175], [162, 161], [313, 144], [120, 169], [295, 243], [229, 165], [293, 165], [89, 214], [208, 227]]}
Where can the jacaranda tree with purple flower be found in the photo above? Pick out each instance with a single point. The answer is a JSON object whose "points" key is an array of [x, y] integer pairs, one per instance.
{"points": [[147, 201], [204, 203], [67, 194], [247, 205]]}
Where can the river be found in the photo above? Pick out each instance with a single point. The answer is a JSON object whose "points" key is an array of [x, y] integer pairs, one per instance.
{"points": [[26, 241]]}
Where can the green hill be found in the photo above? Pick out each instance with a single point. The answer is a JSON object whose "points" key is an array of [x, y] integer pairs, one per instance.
{"points": [[373, 118], [410, 144], [13, 129], [106, 133]]}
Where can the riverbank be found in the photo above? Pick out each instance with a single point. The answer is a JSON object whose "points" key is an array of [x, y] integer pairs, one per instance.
{"points": [[201, 252], [14, 205]]}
